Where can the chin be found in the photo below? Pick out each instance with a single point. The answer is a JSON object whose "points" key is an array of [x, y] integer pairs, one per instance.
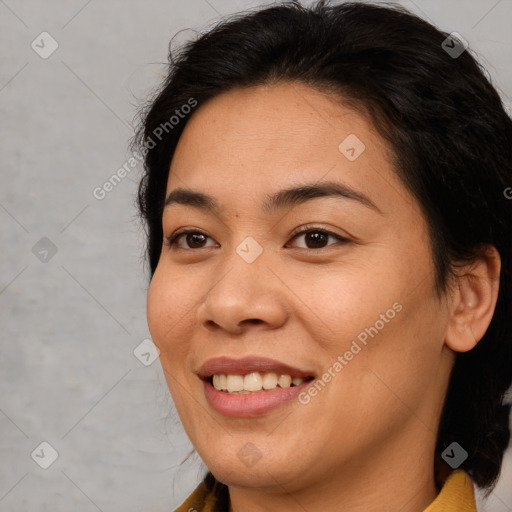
{"points": [[247, 468], [255, 477]]}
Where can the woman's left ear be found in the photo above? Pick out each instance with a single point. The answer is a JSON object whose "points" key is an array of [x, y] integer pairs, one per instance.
{"points": [[474, 300]]}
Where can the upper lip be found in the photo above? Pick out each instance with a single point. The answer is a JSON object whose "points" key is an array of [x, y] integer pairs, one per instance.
{"points": [[228, 365]]}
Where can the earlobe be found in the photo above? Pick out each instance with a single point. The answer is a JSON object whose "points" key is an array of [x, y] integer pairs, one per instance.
{"points": [[474, 301]]}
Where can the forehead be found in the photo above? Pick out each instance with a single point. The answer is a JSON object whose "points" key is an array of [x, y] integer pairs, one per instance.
{"points": [[247, 142]]}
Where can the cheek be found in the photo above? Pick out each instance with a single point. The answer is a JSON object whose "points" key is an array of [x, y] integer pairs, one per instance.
{"points": [[384, 316], [167, 307], [349, 297], [157, 312], [169, 304]]}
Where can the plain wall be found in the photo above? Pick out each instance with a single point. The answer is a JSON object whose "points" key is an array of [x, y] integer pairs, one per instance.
{"points": [[70, 321]]}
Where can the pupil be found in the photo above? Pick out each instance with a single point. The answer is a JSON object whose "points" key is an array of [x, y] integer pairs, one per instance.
{"points": [[316, 237], [193, 238]]}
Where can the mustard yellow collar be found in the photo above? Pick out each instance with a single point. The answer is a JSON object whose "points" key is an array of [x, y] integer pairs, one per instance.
{"points": [[457, 494]]}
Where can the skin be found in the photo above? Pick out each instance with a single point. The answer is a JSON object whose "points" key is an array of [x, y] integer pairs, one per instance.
{"points": [[367, 439]]}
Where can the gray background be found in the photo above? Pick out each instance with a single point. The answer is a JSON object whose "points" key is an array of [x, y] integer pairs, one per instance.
{"points": [[70, 324]]}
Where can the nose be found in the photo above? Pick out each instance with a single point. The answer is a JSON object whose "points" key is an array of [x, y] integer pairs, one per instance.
{"points": [[245, 296]]}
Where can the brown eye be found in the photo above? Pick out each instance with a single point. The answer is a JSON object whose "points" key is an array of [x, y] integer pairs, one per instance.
{"points": [[314, 239], [193, 239], [318, 238]]}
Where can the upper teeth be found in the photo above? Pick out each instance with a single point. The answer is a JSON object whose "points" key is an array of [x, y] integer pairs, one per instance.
{"points": [[254, 381]]}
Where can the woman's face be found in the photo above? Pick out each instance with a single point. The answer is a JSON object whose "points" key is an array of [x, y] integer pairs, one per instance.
{"points": [[357, 313]]}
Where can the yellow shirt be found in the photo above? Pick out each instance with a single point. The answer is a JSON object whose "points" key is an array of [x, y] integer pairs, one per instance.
{"points": [[457, 495]]}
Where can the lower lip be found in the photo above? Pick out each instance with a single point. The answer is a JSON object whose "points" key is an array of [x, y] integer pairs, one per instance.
{"points": [[253, 404]]}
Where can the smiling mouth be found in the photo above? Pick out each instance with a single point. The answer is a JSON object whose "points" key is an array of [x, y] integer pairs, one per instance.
{"points": [[254, 382]]}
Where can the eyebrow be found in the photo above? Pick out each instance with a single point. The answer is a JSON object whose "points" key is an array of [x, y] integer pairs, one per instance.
{"points": [[276, 201]]}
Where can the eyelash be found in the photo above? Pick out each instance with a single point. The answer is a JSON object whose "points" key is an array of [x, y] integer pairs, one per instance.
{"points": [[171, 241]]}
